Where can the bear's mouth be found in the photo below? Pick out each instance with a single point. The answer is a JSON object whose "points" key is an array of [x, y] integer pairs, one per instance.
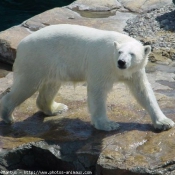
{"points": [[122, 67]]}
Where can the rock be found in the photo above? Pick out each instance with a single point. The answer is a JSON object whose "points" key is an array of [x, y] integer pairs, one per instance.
{"points": [[9, 40], [95, 9], [144, 6], [68, 141], [6, 83], [65, 15]]}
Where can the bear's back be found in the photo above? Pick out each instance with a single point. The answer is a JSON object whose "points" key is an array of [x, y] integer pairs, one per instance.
{"points": [[67, 32]]}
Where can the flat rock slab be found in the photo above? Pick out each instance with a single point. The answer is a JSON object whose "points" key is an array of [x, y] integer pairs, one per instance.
{"points": [[95, 9], [144, 5], [72, 143]]}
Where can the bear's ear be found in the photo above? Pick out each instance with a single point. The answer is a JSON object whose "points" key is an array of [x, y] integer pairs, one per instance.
{"points": [[116, 44], [147, 49]]}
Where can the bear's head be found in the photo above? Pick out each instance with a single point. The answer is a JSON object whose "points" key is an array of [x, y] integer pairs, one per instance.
{"points": [[131, 55]]}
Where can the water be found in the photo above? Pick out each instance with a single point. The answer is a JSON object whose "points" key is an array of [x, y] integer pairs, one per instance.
{"points": [[14, 12]]}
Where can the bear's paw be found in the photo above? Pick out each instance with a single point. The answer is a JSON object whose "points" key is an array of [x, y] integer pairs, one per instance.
{"points": [[106, 125], [164, 124], [58, 108]]}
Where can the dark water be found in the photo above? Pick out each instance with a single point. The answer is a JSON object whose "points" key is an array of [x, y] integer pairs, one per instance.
{"points": [[13, 12]]}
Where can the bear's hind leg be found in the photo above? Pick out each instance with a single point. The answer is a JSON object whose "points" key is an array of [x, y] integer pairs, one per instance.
{"points": [[14, 98], [45, 100]]}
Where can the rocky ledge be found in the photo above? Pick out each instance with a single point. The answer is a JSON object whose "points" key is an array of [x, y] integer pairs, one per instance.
{"points": [[67, 143]]}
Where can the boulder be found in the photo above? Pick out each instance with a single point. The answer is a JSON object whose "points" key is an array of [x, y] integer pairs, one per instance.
{"points": [[144, 6], [95, 9], [66, 15], [9, 40]]}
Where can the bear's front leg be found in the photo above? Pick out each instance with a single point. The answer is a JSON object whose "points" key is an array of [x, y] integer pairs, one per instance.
{"points": [[141, 89], [97, 108]]}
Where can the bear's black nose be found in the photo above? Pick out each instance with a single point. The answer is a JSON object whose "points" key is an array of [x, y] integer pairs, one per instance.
{"points": [[121, 64]]}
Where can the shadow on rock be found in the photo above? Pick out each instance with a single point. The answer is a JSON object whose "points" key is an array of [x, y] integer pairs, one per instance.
{"points": [[166, 21], [61, 143], [62, 129]]}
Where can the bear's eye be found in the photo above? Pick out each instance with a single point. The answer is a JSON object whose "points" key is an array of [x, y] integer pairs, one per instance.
{"points": [[119, 52], [132, 54]]}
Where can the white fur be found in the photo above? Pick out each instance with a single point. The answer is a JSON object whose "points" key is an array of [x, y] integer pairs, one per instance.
{"points": [[60, 53]]}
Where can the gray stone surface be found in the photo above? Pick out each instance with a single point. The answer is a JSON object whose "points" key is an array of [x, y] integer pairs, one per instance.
{"points": [[144, 5]]}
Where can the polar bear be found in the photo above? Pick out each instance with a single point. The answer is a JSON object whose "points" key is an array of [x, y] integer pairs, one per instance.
{"points": [[61, 53]]}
